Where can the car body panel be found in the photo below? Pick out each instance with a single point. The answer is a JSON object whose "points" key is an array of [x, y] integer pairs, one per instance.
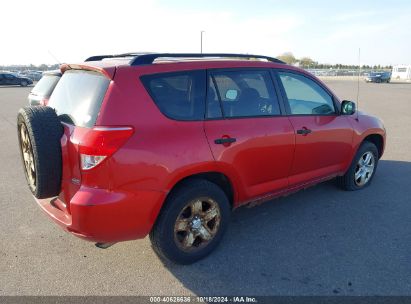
{"points": [[262, 155], [322, 152], [121, 198], [363, 126]]}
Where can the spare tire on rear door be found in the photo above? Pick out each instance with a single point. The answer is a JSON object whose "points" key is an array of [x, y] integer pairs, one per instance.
{"points": [[39, 132]]}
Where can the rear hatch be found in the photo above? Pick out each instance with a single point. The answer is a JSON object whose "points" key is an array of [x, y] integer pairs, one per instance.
{"points": [[77, 99]]}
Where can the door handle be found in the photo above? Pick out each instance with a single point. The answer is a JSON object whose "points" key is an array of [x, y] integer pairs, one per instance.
{"points": [[225, 141], [304, 131]]}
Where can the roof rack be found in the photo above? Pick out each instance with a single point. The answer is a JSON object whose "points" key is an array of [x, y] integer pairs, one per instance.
{"points": [[101, 57], [149, 58]]}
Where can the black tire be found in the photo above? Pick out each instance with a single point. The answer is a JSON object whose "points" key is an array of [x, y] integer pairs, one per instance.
{"points": [[24, 83], [44, 131], [348, 181], [163, 236]]}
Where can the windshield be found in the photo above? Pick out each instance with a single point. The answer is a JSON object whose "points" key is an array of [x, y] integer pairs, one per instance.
{"points": [[78, 96]]}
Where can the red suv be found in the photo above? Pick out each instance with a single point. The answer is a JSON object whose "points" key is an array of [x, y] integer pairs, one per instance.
{"points": [[169, 144]]}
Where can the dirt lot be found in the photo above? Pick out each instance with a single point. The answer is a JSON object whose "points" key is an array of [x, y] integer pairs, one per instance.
{"points": [[321, 241]]}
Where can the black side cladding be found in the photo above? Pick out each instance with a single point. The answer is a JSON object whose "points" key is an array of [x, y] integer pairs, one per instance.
{"points": [[45, 130]]}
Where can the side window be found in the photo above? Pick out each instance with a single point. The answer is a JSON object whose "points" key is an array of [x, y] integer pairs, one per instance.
{"points": [[178, 95], [9, 76], [242, 93], [305, 96]]}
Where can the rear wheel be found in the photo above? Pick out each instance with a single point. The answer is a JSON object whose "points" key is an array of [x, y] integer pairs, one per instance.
{"points": [[362, 169], [191, 223]]}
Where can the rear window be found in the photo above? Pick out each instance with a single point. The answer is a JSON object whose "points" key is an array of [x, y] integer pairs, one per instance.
{"points": [[78, 96], [180, 95], [45, 85]]}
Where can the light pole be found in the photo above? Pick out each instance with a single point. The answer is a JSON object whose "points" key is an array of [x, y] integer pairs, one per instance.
{"points": [[201, 41]]}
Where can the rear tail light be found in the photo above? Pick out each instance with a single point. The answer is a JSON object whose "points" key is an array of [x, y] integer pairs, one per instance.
{"points": [[100, 143], [90, 161], [44, 102]]}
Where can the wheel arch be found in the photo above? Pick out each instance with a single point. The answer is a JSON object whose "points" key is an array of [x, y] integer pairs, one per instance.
{"points": [[378, 141], [216, 177]]}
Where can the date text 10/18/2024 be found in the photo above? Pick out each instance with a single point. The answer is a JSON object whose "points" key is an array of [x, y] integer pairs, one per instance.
{"points": [[188, 299]]}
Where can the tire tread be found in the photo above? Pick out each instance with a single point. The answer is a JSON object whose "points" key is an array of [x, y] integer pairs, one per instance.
{"points": [[45, 131]]}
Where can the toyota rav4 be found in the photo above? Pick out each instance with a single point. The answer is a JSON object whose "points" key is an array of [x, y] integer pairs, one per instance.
{"points": [[169, 144]]}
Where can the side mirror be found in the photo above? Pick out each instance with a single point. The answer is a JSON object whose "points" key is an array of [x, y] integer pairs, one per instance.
{"points": [[348, 107]]}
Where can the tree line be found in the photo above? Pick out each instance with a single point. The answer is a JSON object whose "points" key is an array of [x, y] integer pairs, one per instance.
{"points": [[307, 62], [32, 67], [288, 57]]}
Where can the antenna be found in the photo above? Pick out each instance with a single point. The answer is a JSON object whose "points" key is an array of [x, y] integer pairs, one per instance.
{"points": [[201, 42], [54, 57], [358, 80]]}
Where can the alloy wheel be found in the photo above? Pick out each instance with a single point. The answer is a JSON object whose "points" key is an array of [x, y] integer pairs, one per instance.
{"points": [[365, 169], [28, 158], [197, 224]]}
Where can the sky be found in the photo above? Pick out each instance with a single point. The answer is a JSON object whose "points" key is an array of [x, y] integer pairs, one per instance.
{"points": [[50, 31]]}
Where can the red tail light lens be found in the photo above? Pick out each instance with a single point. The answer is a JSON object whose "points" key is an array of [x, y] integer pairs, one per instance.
{"points": [[101, 142], [44, 102]]}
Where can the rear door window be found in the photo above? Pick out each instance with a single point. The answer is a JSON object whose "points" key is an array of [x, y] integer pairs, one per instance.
{"points": [[242, 93], [78, 96], [178, 95]]}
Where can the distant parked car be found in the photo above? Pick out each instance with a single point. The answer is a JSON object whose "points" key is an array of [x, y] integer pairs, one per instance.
{"points": [[33, 75], [43, 89], [378, 77], [7, 78]]}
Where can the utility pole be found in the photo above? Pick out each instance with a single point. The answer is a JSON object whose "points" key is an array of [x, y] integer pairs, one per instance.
{"points": [[201, 41]]}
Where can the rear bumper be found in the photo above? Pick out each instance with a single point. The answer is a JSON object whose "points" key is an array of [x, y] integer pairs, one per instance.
{"points": [[101, 216]]}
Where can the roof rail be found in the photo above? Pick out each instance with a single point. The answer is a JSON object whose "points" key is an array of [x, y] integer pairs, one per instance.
{"points": [[98, 57], [150, 58], [101, 57]]}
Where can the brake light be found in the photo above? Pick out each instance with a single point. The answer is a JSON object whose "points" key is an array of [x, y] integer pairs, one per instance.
{"points": [[101, 142], [44, 101]]}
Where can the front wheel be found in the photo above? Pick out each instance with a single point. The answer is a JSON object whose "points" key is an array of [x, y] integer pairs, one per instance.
{"points": [[191, 223], [362, 169]]}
